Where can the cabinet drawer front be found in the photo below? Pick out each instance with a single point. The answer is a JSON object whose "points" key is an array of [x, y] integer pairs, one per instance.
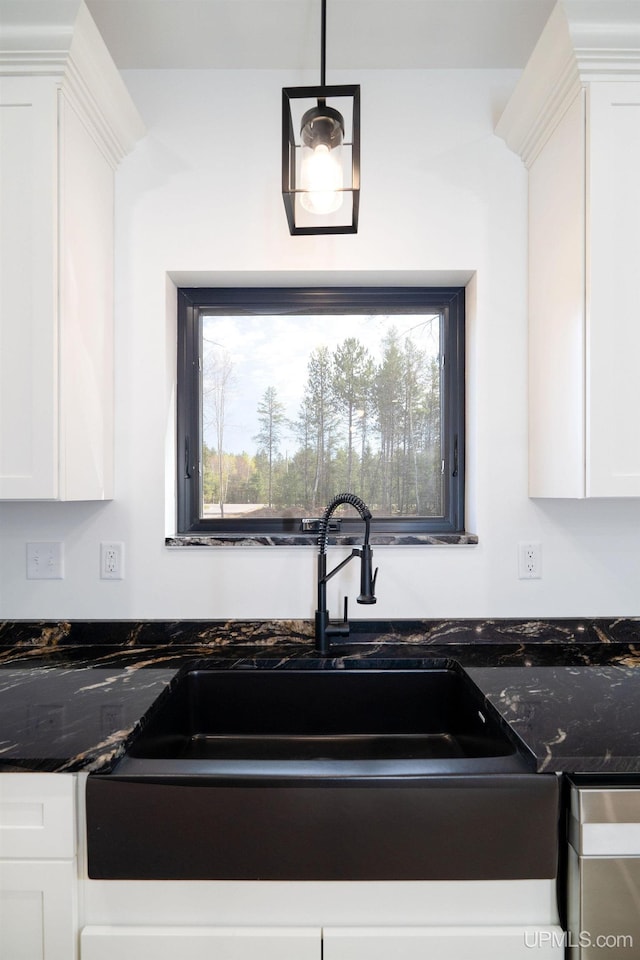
{"points": [[37, 816], [443, 943], [201, 943]]}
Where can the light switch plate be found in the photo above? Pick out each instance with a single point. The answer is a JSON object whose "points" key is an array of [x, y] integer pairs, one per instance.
{"points": [[45, 560]]}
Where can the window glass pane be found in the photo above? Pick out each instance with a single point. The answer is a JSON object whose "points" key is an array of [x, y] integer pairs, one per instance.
{"points": [[298, 408]]}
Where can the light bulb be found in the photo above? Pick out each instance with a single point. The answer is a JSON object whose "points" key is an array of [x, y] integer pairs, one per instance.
{"points": [[321, 177]]}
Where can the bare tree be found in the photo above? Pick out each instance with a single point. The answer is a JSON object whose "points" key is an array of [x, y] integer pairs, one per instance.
{"points": [[217, 383]]}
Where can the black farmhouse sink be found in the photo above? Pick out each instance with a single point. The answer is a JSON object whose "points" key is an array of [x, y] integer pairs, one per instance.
{"points": [[323, 774], [319, 723]]}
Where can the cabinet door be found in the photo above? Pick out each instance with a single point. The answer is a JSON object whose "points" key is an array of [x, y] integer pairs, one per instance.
{"points": [[556, 311], [56, 299], [613, 317], [86, 210], [442, 943], [37, 910], [200, 943], [28, 290]]}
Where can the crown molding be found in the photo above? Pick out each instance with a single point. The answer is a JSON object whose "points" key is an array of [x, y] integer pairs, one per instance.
{"points": [[583, 42], [59, 39]]}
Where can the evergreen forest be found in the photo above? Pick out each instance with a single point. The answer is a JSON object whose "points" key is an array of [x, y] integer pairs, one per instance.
{"points": [[365, 426]]}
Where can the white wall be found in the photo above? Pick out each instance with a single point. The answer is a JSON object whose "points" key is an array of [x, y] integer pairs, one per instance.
{"points": [[200, 195]]}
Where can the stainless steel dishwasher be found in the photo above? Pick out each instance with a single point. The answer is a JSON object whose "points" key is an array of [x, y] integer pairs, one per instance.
{"points": [[604, 868]]}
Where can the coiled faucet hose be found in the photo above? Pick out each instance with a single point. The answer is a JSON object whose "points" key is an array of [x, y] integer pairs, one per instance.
{"points": [[342, 498]]}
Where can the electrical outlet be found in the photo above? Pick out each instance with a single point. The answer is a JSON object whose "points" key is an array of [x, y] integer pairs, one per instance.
{"points": [[45, 560], [112, 561], [530, 561], [49, 718], [111, 718]]}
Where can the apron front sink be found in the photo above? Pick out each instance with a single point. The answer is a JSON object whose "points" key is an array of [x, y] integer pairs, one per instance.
{"points": [[323, 774], [332, 722]]}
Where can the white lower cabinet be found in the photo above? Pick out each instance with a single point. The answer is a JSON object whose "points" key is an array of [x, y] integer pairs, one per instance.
{"points": [[38, 873]]}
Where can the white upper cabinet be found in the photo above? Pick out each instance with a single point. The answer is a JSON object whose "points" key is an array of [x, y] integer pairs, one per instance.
{"points": [[574, 118], [66, 120]]}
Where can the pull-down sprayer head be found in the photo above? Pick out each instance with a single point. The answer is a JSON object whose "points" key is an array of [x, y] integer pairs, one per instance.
{"points": [[367, 581]]}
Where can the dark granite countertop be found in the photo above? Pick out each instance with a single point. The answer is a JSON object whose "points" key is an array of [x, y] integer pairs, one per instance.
{"points": [[72, 692]]}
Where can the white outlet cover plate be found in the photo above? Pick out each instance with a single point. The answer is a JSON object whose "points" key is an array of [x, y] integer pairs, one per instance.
{"points": [[112, 560], [530, 560]]}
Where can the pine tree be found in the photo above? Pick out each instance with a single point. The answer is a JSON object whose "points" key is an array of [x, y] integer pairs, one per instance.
{"points": [[353, 377], [271, 420], [319, 404], [389, 394]]}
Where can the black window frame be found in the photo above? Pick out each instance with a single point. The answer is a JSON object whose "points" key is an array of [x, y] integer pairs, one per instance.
{"points": [[194, 301]]}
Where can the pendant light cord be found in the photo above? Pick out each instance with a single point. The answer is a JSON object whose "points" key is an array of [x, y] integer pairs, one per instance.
{"points": [[323, 45]]}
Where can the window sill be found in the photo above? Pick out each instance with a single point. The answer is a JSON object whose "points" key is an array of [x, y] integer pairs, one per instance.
{"points": [[311, 540]]}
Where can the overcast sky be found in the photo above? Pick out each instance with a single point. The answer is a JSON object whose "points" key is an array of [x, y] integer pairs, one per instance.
{"points": [[274, 351]]}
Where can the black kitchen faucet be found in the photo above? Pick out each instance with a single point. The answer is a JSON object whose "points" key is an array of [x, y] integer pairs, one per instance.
{"points": [[325, 628]]}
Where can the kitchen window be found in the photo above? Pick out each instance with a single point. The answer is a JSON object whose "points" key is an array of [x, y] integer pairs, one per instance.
{"points": [[288, 396]]}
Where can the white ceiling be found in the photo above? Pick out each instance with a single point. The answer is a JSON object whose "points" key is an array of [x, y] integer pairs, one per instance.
{"points": [[285, 34]]}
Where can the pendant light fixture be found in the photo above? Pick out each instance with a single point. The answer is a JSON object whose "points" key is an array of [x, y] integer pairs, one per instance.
{"points": [[321, 153]]}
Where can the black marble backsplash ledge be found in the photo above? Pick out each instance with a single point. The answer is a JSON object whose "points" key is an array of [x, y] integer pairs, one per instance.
{"points": [[217, 635], [311, 540]]}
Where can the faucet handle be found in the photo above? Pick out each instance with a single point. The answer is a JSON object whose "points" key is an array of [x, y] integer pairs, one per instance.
{"points": [[338, 628]]}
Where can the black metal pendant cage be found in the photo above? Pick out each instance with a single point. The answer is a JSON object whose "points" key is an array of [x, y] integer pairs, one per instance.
{"points": [[321, 158]]}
